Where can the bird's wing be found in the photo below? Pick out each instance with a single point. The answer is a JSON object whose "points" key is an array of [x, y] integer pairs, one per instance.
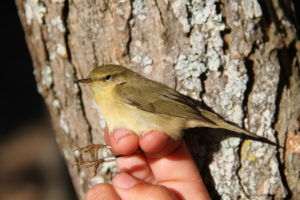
{"points": [[158, 98]]}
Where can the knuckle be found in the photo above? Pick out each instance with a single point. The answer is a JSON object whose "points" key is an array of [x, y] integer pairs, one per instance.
{"points": [[96, 191], [158, 192]]}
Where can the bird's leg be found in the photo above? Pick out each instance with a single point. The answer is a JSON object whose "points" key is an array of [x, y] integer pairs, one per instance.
{"points": [[92, 147], [96, 161]]}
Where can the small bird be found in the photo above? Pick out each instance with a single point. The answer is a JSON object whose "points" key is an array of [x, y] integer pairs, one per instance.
{"points": [[128, 100]]}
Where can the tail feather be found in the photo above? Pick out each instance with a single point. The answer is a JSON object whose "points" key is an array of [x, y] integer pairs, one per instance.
{"points": [[220, 123]]}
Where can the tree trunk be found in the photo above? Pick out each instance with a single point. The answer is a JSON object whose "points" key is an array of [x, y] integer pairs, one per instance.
{"points": [[241, 58]]}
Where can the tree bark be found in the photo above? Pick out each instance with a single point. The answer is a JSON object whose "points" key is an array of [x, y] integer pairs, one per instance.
{"points": [[241, 58]]}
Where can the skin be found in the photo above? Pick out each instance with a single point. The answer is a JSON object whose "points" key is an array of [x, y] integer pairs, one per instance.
{"points": [[153, 173]]}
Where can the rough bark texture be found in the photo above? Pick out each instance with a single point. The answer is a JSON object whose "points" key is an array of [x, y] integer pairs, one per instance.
{"points": [[241, 58]]}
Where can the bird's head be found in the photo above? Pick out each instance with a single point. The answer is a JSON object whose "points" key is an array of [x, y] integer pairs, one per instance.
{"points": [[106, 77]]}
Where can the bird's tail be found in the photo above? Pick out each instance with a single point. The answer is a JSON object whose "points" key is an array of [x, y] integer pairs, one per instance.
{"points": [[220, 123]]}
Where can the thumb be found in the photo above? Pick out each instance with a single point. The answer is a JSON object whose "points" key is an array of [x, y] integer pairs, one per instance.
{"points": [[129, 187]]}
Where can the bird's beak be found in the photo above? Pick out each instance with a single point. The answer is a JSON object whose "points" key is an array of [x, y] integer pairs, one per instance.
{"points": [[85, 80]]}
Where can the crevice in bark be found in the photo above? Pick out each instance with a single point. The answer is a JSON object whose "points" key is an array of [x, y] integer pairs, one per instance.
{"points": [[202, 78], [286, 7], [249, 87], [160, 14], [65, 15], [189, 18], [129, 31], [265, 22], [44, 41], [250, 73], [223, 33], [284, 56], [218, 7], [79, 95], [283, 177], [84, 114]]}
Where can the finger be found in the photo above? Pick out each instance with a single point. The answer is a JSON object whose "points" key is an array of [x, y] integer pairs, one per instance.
{"points": [[129, 188], [156, 144], [106, 136], [123, 141], [102, 192], [137, 166], [178, 171]]}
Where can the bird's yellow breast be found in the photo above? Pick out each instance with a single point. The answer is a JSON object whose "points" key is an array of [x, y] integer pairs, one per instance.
{"points": [[120, 115]]}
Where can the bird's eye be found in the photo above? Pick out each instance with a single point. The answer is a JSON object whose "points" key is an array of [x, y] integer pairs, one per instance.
{"points": [[108, 77]]}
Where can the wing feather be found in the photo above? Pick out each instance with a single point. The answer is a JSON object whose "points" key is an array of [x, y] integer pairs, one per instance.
{"points": [[158, 98]]}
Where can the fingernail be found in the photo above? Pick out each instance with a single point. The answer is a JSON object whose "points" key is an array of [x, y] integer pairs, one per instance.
{"points": [[118, 134], [153, 135], [124, 181]]}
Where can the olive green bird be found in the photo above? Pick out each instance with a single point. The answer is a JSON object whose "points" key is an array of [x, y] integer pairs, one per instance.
{"points": [[128, 100]]}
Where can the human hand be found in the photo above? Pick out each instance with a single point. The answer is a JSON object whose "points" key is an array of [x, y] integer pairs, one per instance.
{"points": [[164, 170]]}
